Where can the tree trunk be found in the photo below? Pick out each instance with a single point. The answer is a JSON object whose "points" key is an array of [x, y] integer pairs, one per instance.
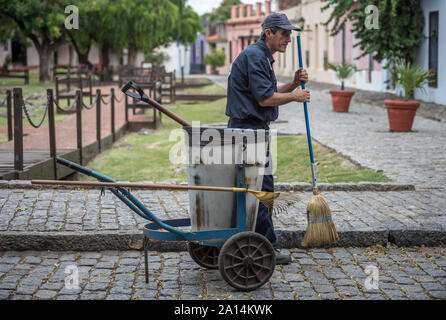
{"points": [[44, 63], [132, 57], [106, 74], [83, 59]]}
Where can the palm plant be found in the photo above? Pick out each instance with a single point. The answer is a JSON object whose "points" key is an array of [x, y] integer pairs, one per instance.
{"points": [[411, 77], [343, 71]]}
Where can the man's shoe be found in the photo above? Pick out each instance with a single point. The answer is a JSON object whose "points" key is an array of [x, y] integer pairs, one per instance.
{"points": [[282, 258]]}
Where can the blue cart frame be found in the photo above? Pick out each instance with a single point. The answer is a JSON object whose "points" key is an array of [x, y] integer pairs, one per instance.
{"points": [[166, 230]]}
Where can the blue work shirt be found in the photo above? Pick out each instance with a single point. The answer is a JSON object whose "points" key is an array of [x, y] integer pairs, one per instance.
{"points": [[251, 80]]}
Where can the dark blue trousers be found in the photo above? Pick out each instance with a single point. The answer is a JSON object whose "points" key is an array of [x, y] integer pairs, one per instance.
{"points": [[264, 224]]}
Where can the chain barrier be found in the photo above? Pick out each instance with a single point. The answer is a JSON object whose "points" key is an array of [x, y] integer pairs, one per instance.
{"points": [[2, 104], [119, 101], [109, 100], [92, 105], [29, 118], [69, 109]]}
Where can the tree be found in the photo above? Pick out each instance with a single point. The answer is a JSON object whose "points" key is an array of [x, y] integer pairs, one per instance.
{"points": [[39, 21], [400, 27], [215, 59], [223, 12], [188, 23], [82, 38], [109, 24]]}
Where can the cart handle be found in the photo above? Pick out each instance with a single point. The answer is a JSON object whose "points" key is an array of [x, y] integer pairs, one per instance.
{"points": [[145, 98], [126, 197], [74, 166]]}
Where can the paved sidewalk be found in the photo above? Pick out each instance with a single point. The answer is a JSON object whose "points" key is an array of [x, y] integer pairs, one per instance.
{"points": [[55, 219], [341, 273]]}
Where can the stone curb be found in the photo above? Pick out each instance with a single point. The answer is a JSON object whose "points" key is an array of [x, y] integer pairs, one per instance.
{"points": [[279, 186], [131, 240]]}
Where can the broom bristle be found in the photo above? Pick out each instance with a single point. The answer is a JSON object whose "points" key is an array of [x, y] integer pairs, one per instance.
{"points": [[276, 202], [321, 229]]}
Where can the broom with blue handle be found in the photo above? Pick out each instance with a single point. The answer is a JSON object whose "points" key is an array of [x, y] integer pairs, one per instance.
{"points": [[320, 229]]}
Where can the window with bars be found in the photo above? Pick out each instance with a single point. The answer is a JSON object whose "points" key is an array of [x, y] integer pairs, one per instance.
{"points": [[370, 71], [325, 60], [433, 47], [343, 44]]}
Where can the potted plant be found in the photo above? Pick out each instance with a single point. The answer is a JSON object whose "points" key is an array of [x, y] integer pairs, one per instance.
{"points": [[215, 59], [409, 77], [341, 98]]}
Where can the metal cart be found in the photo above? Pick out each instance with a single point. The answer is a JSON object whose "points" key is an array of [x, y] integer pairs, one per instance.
{"points": [[245, 259]]}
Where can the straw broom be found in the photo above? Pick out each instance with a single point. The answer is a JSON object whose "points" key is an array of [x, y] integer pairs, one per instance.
{"points": [[320, 229]]}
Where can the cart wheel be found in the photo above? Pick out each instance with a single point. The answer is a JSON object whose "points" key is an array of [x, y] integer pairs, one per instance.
{"points": [[247, 260], [205, 256]]}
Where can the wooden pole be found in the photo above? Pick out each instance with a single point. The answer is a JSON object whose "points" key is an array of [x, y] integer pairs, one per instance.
{"points": [[91, 88], [9, 113], [139, 185], [57, 91], [79, 123], [112, 93], [182, 75], [52, 129], [18, 130], [98, 118]]}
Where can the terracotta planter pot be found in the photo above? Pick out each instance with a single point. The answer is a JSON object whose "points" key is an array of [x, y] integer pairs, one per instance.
{"points": [[341, 99], [401, 114]]}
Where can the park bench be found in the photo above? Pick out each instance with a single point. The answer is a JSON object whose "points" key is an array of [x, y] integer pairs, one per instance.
{"points": [[72, 84], [62, 70], [153, 90], [137, 74], [15, 74], [168, 86]]}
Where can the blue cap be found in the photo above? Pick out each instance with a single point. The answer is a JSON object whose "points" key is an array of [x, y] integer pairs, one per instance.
{"points": [[279, 20]]}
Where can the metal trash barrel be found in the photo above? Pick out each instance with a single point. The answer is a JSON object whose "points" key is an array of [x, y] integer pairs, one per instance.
{"points": [[213, 155]]}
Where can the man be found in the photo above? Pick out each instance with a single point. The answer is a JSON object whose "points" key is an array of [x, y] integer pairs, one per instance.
{"points": [[253, 98]]}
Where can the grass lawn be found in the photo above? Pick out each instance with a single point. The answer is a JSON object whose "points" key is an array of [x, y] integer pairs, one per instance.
{"points": [[212, 88], [137, 157]]}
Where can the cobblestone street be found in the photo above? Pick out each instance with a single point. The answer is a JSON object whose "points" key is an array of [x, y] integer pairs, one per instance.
{"points": [[339, 273], [391, 243], [361, 217]]}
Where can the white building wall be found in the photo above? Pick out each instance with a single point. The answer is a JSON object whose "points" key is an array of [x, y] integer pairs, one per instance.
{"points": [[32, 56], [179, 56], [437, 95]]}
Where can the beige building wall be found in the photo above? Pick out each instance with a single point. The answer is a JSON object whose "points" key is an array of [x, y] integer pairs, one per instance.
{"points": [[317, 45], [63, 54], [287, 63]]}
